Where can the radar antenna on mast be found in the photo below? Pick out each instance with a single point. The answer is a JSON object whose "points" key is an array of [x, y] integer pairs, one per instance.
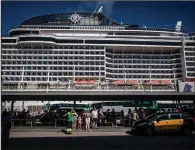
{"points": [[99, 11], [178, 26]]}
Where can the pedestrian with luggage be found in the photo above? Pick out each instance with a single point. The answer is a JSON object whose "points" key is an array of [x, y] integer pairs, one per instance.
{"points": [[70, 121]]}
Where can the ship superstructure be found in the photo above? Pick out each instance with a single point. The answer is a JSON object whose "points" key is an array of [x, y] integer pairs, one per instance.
{"points": [[90, 51]]}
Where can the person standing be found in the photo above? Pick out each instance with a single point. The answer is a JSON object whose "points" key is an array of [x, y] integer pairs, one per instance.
{"points": [[24, 117], [135, 117], [94, 118], [107, 116], [129, 117], [113, 117], [69, 120], [6, 118], [143, 115], [100, 117], [79, 122], [87, 120], [122, 118], [75, 116]]}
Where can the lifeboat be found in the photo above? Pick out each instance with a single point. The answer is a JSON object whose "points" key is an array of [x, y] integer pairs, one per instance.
{"points": [[118, 82], [132, 82]]}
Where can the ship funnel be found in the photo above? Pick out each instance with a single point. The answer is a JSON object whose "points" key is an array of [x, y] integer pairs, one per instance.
{"points": [[178, 26]]}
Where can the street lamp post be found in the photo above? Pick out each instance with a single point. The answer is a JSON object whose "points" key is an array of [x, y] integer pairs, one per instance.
{"points": [[48, 78], [150, 80], [74, 78], [21, 85], [99, 78], [125, 78], [175, 82], [22, 79]]}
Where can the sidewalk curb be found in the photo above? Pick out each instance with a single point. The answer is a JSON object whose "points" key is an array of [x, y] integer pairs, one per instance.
{"points": [[78, 130]]}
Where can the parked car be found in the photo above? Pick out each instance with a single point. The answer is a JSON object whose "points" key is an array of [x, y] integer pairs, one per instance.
{"points": [[165, 122]]}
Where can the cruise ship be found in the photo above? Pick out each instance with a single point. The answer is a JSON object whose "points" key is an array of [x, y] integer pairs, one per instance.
{"points": [[88, 51]]}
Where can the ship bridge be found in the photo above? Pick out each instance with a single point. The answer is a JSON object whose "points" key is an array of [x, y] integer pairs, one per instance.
{"points": [[73, 18]]}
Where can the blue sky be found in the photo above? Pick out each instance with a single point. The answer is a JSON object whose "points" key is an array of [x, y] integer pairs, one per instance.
{"points": [[151, 14]]}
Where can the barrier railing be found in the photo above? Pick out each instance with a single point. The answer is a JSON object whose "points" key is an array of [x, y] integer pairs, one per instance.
{"points": [[31, 122], [22, 122]]}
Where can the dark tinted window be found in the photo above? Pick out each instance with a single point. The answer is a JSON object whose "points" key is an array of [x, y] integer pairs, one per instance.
{"points": [[163, 117], [176, 116], [23, 32], [190, 69], [36, 39], [191, 74], [8, 40], [190, 44]]}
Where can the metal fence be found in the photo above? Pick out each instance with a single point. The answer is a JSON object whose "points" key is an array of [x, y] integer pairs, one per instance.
{"points": [[33, 122]]}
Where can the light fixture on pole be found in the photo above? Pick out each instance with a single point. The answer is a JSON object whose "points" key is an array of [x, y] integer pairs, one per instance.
{"points": [[150, 79]]}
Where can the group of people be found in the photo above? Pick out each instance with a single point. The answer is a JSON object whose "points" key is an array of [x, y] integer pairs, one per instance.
{"points": [[85, 120], [90, 119]]}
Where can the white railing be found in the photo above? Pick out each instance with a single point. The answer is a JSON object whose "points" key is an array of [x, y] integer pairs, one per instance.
{"points": [[97, 89], [78, 90]]}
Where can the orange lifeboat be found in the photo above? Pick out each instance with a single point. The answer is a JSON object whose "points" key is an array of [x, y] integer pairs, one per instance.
{"points": [[132, 82]]}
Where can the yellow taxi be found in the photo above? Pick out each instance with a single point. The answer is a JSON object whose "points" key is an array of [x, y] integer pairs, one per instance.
{"points": [[165, 122]]}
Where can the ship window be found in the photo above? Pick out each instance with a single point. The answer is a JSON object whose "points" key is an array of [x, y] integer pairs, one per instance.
{"points": [[8, 40], [190, 44]]}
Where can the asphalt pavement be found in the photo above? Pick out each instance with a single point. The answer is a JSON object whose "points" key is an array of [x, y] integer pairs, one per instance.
{"points": [[96, 141]]}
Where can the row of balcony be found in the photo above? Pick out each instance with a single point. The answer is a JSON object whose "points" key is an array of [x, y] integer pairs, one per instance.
{"points": [[63, 78], [54, 63], [41, 66], [46, 46], [82, 69], [78, 67], [86, 51], [54, 52], [89, 57], [144, 52], [85, 73], [97, 59]]}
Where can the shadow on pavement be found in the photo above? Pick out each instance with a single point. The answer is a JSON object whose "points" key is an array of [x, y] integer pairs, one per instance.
{"points": [[177, 134], [102, 142]]}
